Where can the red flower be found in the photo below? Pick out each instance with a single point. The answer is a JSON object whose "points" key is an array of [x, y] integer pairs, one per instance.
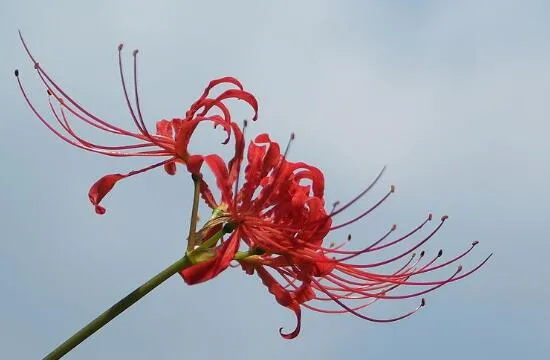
{"points": [[170, 142], [279, 213]]}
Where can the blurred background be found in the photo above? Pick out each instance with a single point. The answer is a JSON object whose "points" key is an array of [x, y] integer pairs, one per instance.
{"points": [[451, 96]]}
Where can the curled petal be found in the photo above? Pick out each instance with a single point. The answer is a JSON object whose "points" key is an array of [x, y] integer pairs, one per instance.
{"points": [[284, 298], [235, 94], [100, 188], [212, 84], [296, 331], [183, 135], [217, 165], [209, 269]]}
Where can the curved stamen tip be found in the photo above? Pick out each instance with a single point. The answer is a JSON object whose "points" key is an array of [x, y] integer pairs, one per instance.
{"points": [[422, 253], [440, 253], [423, 302], [393, 227], [16, 72], [120, 46], [135, 52], [444, 217], [459, 268], [475, 243], [392, 188]]}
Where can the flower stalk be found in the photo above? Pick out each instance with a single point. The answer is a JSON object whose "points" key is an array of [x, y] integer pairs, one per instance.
{"points": [[117, 309], [186, 261]]}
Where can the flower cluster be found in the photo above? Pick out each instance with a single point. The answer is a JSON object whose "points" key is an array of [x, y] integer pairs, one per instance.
{"points": [[275, 224]]}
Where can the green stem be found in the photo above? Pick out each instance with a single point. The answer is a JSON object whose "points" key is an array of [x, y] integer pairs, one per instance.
{"points": [[117, 309], [194, 210]]}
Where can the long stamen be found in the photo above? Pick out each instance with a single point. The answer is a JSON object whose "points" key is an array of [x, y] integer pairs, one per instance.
{"points": [[392, 190], [127, 98], [350, 310], [443, 218], [64, 122], [48, 82], [357, 253], [361, 194], [136, 93]]}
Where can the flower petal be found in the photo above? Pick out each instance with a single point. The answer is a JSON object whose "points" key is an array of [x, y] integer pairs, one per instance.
{"points": [[209, 269], [100, 188], [218, 168], [284, 298]]}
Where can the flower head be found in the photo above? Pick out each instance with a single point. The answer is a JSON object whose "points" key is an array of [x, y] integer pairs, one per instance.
{"points": [[170, 141], [279, 214]]}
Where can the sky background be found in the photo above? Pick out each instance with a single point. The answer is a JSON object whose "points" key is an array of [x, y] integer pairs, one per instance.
{"points": [[451, 95]]}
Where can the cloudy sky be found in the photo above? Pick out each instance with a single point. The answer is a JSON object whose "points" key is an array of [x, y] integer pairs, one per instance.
{"points": [[452, 96]]}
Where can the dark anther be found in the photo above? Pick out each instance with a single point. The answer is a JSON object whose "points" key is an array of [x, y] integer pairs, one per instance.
{"points": [[16, 72]]}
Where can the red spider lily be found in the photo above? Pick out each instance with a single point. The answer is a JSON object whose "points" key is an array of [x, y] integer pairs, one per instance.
{"points": [[170, 141], [279, 213]]}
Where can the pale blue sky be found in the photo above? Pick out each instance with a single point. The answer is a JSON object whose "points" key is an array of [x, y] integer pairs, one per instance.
{"points": [[452, 96]]}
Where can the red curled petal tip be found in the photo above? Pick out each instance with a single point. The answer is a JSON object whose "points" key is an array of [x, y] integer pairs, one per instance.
{"points": [[101, 188], [296, 331]]}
